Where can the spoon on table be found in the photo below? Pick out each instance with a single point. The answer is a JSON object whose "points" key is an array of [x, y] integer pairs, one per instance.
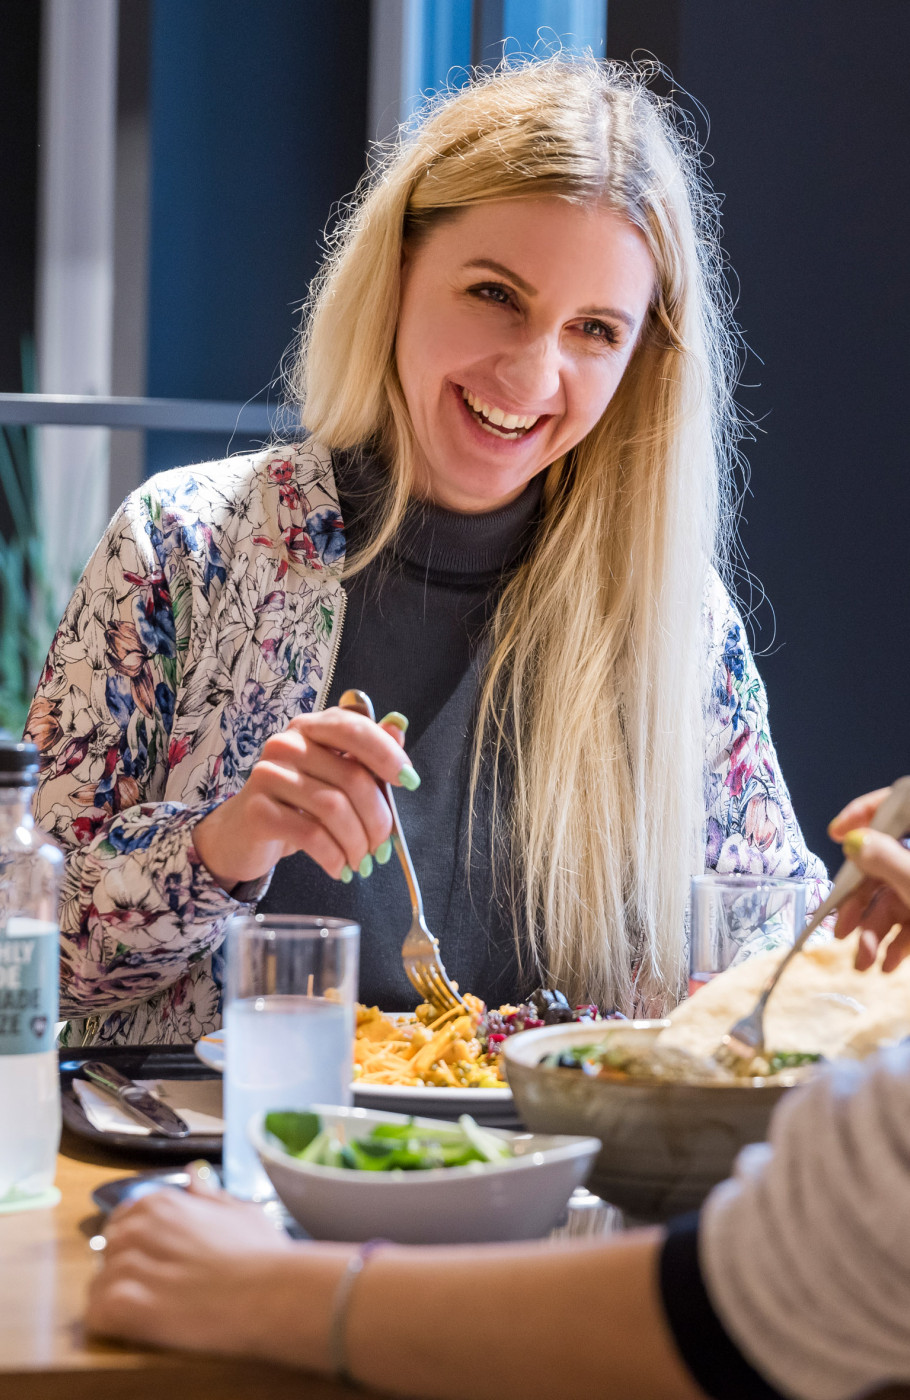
{"points": [[746, 1039], [420, 950]]}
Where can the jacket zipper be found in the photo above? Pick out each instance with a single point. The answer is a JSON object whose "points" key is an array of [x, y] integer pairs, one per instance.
{"points": [[90, 1028], [336, 647]]}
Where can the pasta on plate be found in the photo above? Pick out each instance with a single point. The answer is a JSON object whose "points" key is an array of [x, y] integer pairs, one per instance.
{"points": [[445, 1051]]}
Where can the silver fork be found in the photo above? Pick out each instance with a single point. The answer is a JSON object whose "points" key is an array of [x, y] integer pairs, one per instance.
{"points": [[746, 1039], [420, 950]]}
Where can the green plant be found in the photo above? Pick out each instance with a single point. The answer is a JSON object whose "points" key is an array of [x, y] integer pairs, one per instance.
{"points": [[26, 621]]}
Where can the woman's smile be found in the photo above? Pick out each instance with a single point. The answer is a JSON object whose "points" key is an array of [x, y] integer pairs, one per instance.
{"points": [[518, 318], [500, 422], [504, 425]]}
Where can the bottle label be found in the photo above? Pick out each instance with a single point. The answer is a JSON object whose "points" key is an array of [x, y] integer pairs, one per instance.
{"points": [[29, 954]]}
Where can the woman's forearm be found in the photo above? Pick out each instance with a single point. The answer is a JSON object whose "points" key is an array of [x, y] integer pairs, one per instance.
{"points": [[551, 1321]]}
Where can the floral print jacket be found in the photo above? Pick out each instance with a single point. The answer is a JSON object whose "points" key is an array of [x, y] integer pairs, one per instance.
{"points": [[207, 619]]}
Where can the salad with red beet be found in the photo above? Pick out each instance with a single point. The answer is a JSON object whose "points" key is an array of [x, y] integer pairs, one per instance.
{"points": [[544, 1007]]}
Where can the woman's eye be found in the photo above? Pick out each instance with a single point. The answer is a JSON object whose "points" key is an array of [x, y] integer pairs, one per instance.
{"points": [[599, 330], [492, 291]]}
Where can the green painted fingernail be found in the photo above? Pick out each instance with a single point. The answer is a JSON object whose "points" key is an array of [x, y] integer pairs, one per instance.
{"points": [[409, 778], [346, 875], [383, 852], [366, 866], [396, 718]]}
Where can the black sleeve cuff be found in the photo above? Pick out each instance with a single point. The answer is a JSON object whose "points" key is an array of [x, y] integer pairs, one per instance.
{"points": [[250, 891], [708, 1351]]}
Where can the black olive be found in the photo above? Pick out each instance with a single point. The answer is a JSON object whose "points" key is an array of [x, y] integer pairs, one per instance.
{"points": [[551, 1006]]}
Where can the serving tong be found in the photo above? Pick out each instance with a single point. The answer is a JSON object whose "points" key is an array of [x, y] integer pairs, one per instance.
{"points": [[420, 950], [746, 1039]]}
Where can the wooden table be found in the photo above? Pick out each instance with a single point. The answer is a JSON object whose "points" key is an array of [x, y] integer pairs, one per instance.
{"points": [[45, 1268]]}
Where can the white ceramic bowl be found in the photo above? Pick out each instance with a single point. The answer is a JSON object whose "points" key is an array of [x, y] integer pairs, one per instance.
{"points": [[663, 1146], [518, 1199]]}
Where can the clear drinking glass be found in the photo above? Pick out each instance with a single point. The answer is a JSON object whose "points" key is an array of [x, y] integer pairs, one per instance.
{"points": [[289, 1002], [728, 911]]}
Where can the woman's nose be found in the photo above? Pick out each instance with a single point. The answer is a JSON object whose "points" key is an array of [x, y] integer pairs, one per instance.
{"points": [[532, 371]]}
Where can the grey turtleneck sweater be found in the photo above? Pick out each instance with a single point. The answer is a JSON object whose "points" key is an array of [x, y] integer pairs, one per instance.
{"points": [[413, 639]]}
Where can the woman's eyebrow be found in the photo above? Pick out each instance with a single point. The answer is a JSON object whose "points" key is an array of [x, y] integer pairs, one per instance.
{"points": [[613, 311], [502, 271]]}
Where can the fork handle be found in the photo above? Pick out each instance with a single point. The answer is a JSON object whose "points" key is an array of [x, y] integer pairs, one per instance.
{"points": [[360, 703], [892, 818], [404, 855]]}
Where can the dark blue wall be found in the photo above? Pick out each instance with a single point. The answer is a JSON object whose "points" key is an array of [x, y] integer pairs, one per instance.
{"points": [[20, 35], [810, 134], [258, 122]]}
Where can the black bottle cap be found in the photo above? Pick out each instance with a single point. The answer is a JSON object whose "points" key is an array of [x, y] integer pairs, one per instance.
{"points": [[18, 764]]}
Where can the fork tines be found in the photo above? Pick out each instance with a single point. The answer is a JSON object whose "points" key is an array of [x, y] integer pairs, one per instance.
{"points": [[433, 985], [733, 1052]]}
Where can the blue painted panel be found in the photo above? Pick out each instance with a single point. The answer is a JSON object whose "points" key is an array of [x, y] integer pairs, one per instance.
{"points": [[446, 43], [258, 117], [538, 25]]}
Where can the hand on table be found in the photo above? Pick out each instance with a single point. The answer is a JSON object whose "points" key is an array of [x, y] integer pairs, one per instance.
{"points": [[883, 899], [200, 1271], [313, 790], [182, 1269]]}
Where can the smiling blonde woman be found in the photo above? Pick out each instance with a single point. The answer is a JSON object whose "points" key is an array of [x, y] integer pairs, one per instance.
{"points": [[510, 520]]}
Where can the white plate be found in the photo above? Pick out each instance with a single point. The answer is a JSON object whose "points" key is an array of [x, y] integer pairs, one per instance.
{"points": [[210, 1050], [493, 1107]]}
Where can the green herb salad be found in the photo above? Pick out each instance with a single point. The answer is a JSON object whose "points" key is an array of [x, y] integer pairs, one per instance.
{"points": [[388, 1147]]}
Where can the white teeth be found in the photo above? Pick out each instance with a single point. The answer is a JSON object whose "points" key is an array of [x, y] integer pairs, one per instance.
{"points": [[512, 424], [488, 428]]}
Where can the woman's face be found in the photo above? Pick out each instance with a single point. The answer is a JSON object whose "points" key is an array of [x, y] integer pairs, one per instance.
{"points": [[518, 318]]}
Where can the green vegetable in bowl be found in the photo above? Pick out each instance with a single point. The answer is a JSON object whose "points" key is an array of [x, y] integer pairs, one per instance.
{"points": [[295, 1131], [389, 1147], [669, 1064], [791, 1059]]}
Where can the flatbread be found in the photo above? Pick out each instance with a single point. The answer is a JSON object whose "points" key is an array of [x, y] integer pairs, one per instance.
{"points": [[821, 1005]]}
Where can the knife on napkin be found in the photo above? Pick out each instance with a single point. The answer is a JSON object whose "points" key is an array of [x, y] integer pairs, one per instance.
{"points": [[143, 1105]]}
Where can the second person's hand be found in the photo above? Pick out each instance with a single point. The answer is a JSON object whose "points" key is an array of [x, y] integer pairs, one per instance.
{"points": [[313, 790], [882, 902]]}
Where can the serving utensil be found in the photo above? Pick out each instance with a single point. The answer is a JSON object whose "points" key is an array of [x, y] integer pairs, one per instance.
{"points": [[420, 950], [746, 1039]]}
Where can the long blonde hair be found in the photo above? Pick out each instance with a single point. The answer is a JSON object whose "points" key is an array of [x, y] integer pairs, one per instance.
{"points": [[594, 692]]}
